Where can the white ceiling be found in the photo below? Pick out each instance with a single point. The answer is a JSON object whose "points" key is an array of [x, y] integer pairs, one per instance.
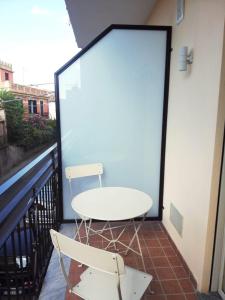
{"points": [[90, 17]]}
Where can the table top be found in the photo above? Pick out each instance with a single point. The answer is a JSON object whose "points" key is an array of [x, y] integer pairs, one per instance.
{"points": [[112, 203]]}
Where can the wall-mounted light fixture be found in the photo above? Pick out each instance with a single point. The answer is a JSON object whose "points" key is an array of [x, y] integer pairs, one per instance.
{"points": [[185, 58]]}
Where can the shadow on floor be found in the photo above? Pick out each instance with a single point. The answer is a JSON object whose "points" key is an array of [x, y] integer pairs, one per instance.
{"points": [[211, 296]]}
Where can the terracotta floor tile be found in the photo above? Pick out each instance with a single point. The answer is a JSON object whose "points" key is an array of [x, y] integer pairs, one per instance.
{"points": [[165, 273], [156, 252], [70, 296], [156, 287], [175, 261], [148, 262], [130, 262], [154, 297], [164, 242], [186, 285], [148, 235], [145, 251], [131, 255], [169, 251], [161, 235], [176, 297], [171, 287], [160, 262], [156, 227], [181, 272], [153, 273], [152, 243]]}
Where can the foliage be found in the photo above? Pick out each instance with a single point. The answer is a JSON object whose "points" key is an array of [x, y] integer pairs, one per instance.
{"points": [[27, 133], [37, 131], [14, 115]]}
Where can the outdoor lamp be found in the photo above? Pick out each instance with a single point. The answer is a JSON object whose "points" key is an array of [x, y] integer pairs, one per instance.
{"points": [[185, 58]]}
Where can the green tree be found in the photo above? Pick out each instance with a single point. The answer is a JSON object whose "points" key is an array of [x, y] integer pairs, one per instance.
{"points": [[28, 133], [14, 115], [37, 131]]}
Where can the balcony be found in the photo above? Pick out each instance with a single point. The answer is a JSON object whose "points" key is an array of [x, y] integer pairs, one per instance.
{"points": [[30, 207], [36, 199]]}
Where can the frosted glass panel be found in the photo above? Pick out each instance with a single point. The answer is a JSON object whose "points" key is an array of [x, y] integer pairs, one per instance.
{"points": [[111, 108]]}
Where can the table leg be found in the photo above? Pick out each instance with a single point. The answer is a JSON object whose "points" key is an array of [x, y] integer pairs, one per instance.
{"points": [[113, 240], [77, 233], [87, 228], [103, 228], [112, 236], [88, 231], [117, 239], [139, 246], [136, 230]]}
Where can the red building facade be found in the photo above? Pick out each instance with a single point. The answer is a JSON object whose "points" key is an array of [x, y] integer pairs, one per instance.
{"points": [[35, 101]]}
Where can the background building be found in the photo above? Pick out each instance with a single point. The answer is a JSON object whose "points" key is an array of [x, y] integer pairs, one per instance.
{"points": [[35, 100]]}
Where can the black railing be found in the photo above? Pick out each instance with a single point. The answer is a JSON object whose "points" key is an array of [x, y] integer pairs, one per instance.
{"points": [[28, 209]]}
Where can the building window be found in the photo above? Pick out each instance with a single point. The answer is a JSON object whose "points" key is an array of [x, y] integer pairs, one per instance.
{"points": [[42, 108], [32, 106], [6, 76]]}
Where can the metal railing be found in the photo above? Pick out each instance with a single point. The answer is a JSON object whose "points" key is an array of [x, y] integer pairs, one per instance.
{"points": [[28, 209]]}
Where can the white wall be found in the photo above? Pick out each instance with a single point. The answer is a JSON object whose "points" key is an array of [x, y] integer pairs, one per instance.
{"points": [[192, 163]]}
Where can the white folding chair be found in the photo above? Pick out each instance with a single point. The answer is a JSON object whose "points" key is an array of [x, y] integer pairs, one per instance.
{"points": [[79, 171], [106, 276]]}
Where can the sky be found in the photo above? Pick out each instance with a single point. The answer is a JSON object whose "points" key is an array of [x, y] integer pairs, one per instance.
{"points": [[37, 38]]}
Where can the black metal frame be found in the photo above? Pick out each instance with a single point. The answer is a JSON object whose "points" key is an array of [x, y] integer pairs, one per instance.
{"points": [[168, 30], [29, 209]]}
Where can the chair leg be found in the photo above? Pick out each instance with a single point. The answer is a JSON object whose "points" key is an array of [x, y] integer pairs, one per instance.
{"points": [[150, 290], [69, 284]]}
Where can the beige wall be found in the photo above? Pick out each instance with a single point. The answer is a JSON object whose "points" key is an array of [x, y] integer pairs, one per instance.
{"points": [[194, 132]]}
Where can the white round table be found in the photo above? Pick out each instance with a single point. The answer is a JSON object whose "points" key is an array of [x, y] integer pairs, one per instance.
{"points": [[112, 203]]}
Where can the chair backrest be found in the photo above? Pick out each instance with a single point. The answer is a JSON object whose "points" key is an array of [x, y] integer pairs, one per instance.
{"points": [[78, 171], [95, 258]]}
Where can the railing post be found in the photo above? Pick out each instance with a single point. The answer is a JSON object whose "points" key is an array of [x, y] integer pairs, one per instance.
{"points": [[55, 189]]}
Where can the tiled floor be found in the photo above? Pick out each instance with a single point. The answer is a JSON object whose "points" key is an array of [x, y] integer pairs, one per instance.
{"points": [[172, 279]]}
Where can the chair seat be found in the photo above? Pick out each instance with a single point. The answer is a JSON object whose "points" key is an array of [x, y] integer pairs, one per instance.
{"points": [[134, 283], [95, 285]]}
